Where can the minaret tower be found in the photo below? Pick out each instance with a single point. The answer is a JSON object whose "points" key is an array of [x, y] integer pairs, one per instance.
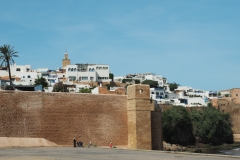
{"points": [[65, 61]]}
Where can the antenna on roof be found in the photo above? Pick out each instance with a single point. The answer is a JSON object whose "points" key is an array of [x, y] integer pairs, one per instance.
{"points": [[66, 50]]}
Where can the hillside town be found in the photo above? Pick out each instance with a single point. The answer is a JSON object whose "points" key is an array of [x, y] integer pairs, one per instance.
{"points": [[97, 79]]}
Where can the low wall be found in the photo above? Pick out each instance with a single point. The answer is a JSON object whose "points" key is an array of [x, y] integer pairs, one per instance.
{"points": [[236, 138], [59, 117]]}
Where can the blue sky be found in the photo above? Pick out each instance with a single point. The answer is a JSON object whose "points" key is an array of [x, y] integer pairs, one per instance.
{"points": [[193, 43]]}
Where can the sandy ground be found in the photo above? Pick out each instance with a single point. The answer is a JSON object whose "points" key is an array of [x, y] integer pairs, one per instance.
{"points": [[9, 142]]}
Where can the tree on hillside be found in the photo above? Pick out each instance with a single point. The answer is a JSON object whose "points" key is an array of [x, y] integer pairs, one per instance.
{"points": [[60, 87], [137, 81], [111, 76], [173, 86], [41, 81], [6, 57], [151, 83], [177, 127]]}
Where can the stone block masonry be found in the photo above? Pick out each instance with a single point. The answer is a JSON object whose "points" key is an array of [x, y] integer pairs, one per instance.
{"points": [[101, 119], [59, 117], [139, 117]]}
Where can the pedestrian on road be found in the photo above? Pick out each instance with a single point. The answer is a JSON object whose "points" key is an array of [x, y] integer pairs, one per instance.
{"points": [[90, 144], [110, 145], [74, 142]]}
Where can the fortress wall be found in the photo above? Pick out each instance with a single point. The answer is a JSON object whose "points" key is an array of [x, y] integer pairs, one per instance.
{"points": [[59, 117]]}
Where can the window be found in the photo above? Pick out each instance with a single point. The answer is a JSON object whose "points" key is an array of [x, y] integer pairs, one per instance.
{"points": [[157, 93], [91, 78], [75, 69], [152, 92], [91, 69], [69, 69], [84, 78], [72, 78], [236, 94], [23, 77], [18, 69], [63, 75], [28, 76]]}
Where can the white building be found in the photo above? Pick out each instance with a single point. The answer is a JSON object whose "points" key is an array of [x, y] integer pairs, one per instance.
{"points": [[183, 96], [24, 74], [142, 77], [161, 80], [51, 76], [88, 72], [190, 97], [189, 91], [161, 96]]}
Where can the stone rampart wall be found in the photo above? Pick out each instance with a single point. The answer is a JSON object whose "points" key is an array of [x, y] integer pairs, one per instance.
{"points": [[59, 117]]}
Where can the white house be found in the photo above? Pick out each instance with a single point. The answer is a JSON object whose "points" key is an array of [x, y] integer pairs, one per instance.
{"points": [[88, 72], [51, 76], [25, 74], [193, 97], [162, 82], [161, 96], [183, 96]]}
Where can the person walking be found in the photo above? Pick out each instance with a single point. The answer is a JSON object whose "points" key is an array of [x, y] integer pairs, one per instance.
{"points": [[90, 144], [111, 145], [74, 142]]}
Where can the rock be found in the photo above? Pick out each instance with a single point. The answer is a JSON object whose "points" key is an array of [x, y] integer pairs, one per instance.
{"points": [[183, 148]]}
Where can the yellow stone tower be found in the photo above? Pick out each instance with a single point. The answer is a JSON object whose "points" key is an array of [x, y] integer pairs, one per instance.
{"points": [[139, 109], [65, 61]]}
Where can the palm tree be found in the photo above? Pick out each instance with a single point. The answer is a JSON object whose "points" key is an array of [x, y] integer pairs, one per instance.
{"points": [[6, 57]]}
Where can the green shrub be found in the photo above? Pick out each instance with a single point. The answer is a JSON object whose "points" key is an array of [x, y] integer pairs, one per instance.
{"points": [[60, 87], [137, 81], [177, 126], [85, 90], [212, 126], [151, 83], [208, 125]]}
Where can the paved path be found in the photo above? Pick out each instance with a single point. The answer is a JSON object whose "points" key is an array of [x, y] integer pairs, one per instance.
{"points": [[70, 153]]}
